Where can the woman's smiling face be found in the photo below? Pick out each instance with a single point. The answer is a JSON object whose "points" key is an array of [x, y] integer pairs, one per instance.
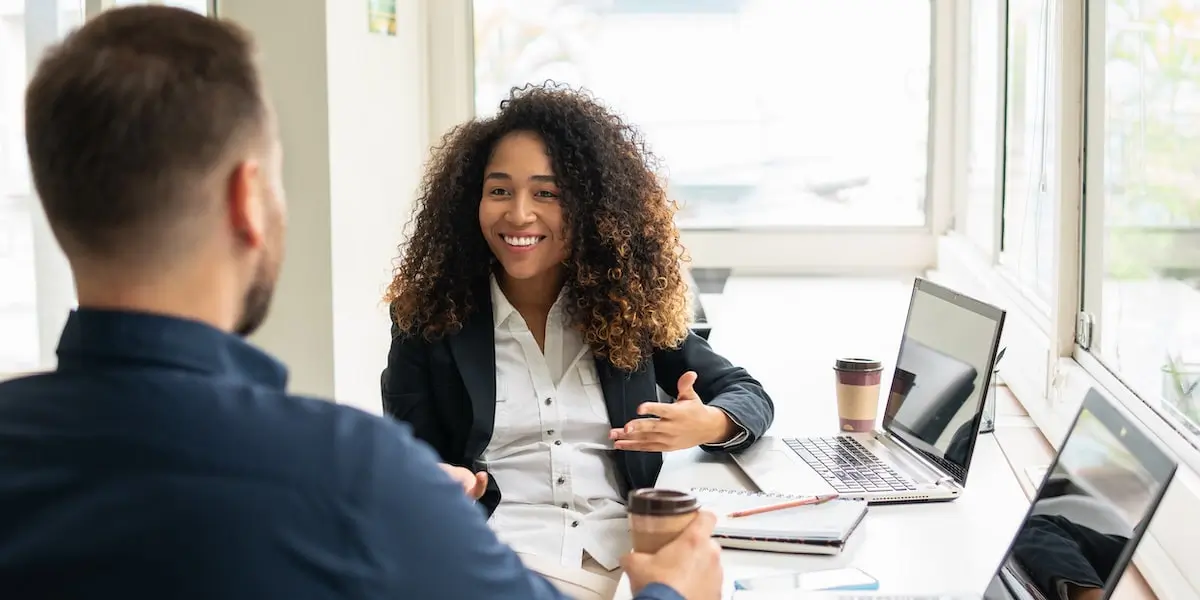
{"points": [[520, 214]]}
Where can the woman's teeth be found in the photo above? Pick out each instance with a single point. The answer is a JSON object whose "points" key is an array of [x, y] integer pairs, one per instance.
{"points": [[527, 240]]}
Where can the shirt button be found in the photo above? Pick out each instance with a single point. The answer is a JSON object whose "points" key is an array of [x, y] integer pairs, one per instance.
{"points": [[574, 523], [557, 442], [549, 432], [562, 480], [564, 506], [548, 401]]}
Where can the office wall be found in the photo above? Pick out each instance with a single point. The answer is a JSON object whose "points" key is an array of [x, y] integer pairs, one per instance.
{"points": [[378, 143], [352, 115]]}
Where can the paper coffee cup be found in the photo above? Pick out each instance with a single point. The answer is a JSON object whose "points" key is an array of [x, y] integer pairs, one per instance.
{"points": [[657, 516], [857, 381]]}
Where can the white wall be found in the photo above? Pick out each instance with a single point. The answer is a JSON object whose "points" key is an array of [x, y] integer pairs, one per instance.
{"points": [[352, 112], [378, 143]]}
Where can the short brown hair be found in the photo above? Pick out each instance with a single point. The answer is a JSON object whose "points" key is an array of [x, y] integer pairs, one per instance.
{"points": [[127, 115]]}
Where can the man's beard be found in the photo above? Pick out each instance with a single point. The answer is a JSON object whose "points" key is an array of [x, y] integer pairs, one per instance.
{"points": [[257, 302]]}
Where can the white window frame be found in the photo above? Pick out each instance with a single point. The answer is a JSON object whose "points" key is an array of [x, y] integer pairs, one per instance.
{"points": [[758, 250], [1047, 371]]}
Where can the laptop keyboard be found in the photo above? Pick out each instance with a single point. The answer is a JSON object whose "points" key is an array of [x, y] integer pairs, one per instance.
{"points": [[848, 466], [947, 466]]}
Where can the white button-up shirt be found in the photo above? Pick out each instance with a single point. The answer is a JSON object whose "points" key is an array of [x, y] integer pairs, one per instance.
{"points": [[550, 451]]}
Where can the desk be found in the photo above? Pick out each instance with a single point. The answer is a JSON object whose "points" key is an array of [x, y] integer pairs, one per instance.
{"points": [[952, 546]]}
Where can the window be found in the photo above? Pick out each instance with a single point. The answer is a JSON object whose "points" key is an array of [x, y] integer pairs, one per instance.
{"points": [[766, 114], [1028, 227], [19, 34], [985, 128], [200, 6], [1142, 259]]}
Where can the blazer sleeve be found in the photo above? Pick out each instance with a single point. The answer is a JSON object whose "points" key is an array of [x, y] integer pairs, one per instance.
{"points": [[406, 390], [718, 383]]}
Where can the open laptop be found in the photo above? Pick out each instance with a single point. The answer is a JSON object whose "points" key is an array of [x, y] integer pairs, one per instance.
{"points": [[930, 424], [1091, 511]]}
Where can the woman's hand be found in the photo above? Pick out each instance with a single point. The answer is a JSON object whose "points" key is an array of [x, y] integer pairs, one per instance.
{"points": [[474, 484], [685, 424]]}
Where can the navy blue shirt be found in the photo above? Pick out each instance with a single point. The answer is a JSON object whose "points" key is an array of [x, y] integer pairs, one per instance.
{"points": [[164, 459]]}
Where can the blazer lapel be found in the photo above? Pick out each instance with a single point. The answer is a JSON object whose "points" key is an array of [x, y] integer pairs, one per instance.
{"points": [[622, 397], [474, 351], [612, 383]]}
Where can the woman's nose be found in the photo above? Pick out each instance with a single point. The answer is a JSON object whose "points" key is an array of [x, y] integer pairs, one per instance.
{"points": [[521, 211]]}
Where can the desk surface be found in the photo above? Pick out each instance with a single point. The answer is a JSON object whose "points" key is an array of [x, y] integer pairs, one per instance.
{"points": [[952, 546], [935, 547]]}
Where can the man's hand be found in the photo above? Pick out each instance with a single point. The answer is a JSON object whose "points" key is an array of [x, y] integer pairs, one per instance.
{"points": [[691, 564], [474, 484], [686, 423], [1084, 593]]}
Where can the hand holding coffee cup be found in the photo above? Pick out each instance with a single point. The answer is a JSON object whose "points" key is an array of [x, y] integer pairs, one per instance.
{"points": [[673, 544], [656, 516], [857, 393]]}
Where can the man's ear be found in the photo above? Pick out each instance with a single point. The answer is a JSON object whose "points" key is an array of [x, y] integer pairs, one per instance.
{"points": [[247, 213]]}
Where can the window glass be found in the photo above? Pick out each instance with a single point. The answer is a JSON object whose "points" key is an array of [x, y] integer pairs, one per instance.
{"points": [[765, 113], [985, 127], [1028, 245], [200, 6], [18, 294], [1148, 321]]}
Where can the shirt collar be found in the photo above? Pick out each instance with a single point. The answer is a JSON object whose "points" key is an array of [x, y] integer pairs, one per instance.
{"points": [[110, 337], [502, 309]]}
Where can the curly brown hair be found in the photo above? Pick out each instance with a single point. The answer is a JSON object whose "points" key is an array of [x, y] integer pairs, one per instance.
{"points": [[625, 290]]}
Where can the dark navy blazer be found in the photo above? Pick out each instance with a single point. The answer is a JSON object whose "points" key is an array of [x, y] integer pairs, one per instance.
{"points": [[446, 389], [164, 459]]}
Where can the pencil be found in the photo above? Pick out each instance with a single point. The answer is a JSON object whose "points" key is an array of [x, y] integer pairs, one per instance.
{"points": [[783, 505]]}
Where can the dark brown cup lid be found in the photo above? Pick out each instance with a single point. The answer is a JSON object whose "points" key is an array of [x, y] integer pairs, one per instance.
{"points": [[660, 502], [858, 364]]}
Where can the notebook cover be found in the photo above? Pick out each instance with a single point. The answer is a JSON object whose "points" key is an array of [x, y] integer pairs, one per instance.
{"points": [[822, 525]]}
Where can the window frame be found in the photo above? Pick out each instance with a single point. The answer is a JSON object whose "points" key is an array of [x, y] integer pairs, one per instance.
{"points": [[1092, 268], [55, 286], [759, 250]]}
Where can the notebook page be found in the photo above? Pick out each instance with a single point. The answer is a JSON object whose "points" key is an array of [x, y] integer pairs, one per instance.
{"points": [[833, 520]]}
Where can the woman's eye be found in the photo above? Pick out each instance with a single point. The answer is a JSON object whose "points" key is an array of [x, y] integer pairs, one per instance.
{"points": [[497, 192], [547, 194]]}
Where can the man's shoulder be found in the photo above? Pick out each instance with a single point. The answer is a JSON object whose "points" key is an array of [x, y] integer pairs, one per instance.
{"points": [[221, 427]]}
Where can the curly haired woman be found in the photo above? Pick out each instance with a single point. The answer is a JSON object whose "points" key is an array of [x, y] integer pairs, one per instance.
{"points": [[537, 308]]}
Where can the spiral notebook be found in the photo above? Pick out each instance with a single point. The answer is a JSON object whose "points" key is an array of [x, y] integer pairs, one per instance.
{"points": [[814, 529]]}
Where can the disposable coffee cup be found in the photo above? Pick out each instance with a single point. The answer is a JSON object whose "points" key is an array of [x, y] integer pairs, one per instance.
{"points": [[657, 516], [857, 393]]}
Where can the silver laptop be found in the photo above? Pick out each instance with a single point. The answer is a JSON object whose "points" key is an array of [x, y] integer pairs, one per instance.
{"points": [[1091, 511], [930, 424]]}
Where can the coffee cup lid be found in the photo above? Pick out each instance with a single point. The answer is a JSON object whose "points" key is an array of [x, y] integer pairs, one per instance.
{"points": [[661, 502], [857, 364]]}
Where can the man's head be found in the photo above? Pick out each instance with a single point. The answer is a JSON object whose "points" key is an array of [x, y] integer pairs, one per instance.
{"points": [[155, 154]]}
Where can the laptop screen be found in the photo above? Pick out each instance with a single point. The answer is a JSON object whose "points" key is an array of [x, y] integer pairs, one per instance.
{"points": [[942, 374], [1090, 511]]}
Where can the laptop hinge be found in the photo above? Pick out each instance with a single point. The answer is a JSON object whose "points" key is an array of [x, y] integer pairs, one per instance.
{"points": [[912, 453]]}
